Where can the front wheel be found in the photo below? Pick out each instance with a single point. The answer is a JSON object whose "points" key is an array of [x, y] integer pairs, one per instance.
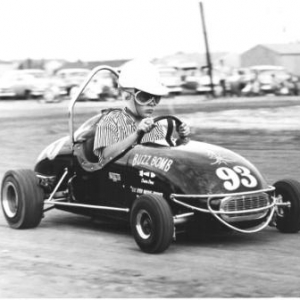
{"points": [[51, 95], [22, 199], [288, 218], [152, 223]]}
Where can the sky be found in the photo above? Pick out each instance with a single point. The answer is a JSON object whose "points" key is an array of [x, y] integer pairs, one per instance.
{"points": [[123, 29]]}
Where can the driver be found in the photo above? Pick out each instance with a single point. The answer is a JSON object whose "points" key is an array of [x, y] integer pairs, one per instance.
{"points": [[119, 129]]}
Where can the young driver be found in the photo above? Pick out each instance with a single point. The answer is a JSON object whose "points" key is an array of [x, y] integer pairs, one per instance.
{"points": [[141, 91]]}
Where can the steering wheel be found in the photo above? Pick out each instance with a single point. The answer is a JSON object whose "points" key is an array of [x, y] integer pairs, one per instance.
{"points": [[170, 120]]}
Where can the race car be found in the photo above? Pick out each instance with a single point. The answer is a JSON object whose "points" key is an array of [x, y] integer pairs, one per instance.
{"points": [[157, 188]]}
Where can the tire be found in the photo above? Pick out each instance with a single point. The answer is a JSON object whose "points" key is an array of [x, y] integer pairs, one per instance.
{"points": [[288, 219], [27, 95], [152, 223], [50, 95], [22, 199], [73, 91]]}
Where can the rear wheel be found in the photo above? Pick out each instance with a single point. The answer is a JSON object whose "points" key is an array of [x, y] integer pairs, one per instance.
{"points": [[27, 95], [288, 218], [21, 199], [152, 223]]}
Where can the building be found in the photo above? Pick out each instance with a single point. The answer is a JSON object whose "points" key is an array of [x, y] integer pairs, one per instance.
{"points": [[285, 55]]}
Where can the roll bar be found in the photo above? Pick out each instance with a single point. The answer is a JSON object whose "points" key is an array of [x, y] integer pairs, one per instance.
{"points": [[78, 93]]}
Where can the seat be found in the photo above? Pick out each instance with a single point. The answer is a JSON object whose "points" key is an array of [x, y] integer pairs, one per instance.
{"points": [[84, 149], [88, 147]]}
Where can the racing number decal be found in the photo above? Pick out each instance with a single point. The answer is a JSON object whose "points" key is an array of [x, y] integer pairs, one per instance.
{"points": [[232, 180], [248, 180], [232, 177]]}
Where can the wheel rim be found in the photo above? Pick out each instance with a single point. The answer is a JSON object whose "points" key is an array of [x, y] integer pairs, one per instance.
{"points": [[10, 200], [280, 210], [144, 224]]}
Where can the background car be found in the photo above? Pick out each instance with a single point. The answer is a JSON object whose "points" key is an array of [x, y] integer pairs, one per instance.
{"points": [[171, 80], [103, 87], [238, 80], [72, 78], [200, 82], [20, 84], [274, 80], [28, 83], [51, 87]]}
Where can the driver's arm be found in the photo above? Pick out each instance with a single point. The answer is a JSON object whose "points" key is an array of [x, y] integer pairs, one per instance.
{"points": [[111, 147], [109, 152]]}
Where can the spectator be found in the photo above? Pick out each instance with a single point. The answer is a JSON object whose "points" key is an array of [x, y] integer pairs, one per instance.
{"points": [[223, 73]]}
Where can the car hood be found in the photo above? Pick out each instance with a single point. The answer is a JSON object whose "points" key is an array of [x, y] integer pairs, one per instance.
{"points": [[198, 168]]}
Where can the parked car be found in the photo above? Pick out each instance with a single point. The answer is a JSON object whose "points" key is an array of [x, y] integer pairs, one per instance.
{"points": [[200, 81], [28, 83], [238, 80], [171, 80], [159, 188], [52, 87], [72, 78], [20, 84], [273, 80], [102, 87]]}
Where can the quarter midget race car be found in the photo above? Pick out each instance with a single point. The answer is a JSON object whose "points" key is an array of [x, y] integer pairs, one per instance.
{"points": [[157, 188]]}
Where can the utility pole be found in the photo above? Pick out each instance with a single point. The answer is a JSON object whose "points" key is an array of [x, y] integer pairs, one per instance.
{"points": [[208, 60]]}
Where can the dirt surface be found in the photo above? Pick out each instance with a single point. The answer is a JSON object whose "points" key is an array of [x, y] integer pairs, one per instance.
{"points": [[71, 256]]}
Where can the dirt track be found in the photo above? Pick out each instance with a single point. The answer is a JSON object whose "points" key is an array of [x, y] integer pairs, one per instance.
{"points": [[70, 256]]}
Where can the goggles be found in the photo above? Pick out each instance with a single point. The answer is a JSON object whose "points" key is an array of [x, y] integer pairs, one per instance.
{"points": [[143, 98]]}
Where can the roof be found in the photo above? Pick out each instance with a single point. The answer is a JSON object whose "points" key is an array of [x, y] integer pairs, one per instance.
{"points": [[183, 60], [70, 70], [284, 48], [112, 63]]}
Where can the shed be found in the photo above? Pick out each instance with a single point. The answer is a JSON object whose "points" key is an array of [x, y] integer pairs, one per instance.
{"points": [[285, 55]]}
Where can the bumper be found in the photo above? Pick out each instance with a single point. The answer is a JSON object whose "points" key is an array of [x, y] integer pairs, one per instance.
{"points": [[7, 94], [174, 89], [234, 212]]}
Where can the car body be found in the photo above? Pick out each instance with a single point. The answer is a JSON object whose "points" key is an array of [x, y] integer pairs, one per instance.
{"points": [[27, 83], [170, 78], [238, 80], [159, 188], [20, 84], [200, 81], [273, 80], [51, 88], [72, 77], [101, 87]]}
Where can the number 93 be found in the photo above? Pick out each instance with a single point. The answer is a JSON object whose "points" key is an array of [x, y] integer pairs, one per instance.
{"points": [[232, 177]]}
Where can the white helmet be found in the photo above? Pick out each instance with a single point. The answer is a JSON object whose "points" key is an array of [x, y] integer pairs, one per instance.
{"points": [[142, 75]]}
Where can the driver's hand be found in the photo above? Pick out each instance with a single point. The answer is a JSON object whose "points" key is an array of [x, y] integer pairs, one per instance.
{"points": [[183, 130], [146, 125]]}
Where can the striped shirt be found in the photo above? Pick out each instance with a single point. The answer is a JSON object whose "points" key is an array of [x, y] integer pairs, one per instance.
{"points": [[118, 124]]}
